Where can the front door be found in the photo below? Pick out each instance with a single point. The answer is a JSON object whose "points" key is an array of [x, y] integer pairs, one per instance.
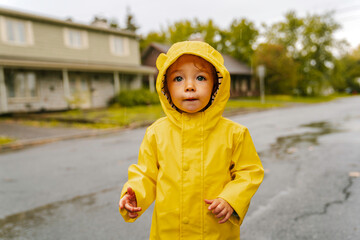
{"points": [[80, 91]]}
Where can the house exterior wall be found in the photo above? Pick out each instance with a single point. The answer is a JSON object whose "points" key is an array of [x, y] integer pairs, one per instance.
{"points": [[241, 86], [102, 89], [150, 58], [3, 94], [50, 95], [49, 43]]}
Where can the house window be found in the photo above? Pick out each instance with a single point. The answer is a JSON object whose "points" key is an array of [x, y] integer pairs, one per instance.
{"points": [[75, 38], [21, 85], [119, 46], [17, 32]]}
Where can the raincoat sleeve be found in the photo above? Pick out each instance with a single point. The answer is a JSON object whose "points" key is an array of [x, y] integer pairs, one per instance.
{"points": [[142, 176], [247, 174]]}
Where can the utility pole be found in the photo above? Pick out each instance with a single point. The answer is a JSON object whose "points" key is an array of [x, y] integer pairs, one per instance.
{"points": [[261, 71]]}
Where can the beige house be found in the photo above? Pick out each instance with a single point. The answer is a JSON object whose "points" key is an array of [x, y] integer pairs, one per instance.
{"points": [[50, 64]]}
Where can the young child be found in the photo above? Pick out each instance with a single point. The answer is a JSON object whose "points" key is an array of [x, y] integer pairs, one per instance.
{"points": [[200, 168]]}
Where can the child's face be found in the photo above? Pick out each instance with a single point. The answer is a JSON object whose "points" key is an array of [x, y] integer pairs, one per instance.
{"points": [[190, 80]]}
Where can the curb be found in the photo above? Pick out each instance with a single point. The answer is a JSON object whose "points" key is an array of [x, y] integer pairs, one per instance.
{"points": [[21, 144], [39, 141]]}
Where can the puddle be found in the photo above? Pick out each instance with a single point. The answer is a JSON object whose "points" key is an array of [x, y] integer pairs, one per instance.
{"points": [[15, 225], [291, 144]]}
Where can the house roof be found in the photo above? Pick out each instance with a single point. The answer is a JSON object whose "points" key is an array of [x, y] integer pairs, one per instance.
{"points": [[157, 46], [160, 47], [39, 18], [49, 64], [234, 66]]}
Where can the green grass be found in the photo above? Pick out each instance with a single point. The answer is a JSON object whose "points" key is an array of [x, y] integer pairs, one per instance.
{"points": [[253, 103], [112, 117], [294, 99], [117, 116], [5, 140]]}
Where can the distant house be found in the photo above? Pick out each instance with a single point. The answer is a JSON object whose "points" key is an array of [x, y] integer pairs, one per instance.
{"points": [[50, 64], [241, 76]]}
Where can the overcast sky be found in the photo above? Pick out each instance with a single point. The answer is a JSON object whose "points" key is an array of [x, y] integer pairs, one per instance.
{"points": [[152, 14]]}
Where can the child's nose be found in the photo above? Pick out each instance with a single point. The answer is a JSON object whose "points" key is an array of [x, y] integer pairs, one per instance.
{"points": [[189, 86]]}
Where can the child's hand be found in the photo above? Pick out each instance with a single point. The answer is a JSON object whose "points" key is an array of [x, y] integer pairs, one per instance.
{"points": [[128, 201], [220, 208]]}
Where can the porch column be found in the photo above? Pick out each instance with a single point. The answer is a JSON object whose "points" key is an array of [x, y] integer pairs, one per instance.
{"points": [[66, 84], [3, 97], [151, 83], [116, 82], [136, 82]]}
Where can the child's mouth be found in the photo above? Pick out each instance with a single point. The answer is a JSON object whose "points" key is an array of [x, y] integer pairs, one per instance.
{"points": [[191, 99]]}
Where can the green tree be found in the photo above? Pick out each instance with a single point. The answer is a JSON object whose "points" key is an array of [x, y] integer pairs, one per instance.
{"points": [[211, 33], [338, 79], [351, 70], [130, 21], [113, 23], [316, 56], [309, 41], [239, 39], [286, 33], [356, 53], [182, 30], [281, 70]]}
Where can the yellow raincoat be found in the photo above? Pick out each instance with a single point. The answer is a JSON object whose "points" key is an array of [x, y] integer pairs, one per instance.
{"points": [[186, 158]]}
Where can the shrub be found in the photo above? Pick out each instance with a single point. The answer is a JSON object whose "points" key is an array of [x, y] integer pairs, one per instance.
{"points": [[136, 97]]}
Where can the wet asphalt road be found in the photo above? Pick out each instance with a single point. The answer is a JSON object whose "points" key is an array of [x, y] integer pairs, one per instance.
{"points": [[70, 189]]}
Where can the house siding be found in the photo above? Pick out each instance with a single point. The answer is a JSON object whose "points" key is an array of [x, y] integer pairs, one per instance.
{"points": [[50, 95], [102, 90], [49, 44], [51, 91], [150, 58]]}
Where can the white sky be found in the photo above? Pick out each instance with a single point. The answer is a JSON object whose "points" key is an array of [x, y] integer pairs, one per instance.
{"points": [[152, 14]]}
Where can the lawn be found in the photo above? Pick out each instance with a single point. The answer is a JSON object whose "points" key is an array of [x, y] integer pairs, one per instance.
{"points": [[5, 140], [117, 116]]}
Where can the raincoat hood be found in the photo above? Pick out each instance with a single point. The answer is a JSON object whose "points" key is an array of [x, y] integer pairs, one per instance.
{"points": [[213, 113]]}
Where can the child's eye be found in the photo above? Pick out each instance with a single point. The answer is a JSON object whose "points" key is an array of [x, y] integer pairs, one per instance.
{"points": [[178, 79], [200, 78]]}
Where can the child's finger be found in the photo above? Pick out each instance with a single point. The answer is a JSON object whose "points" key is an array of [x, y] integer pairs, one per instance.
{"points": [[222, 213], [209, 201], [131, 208], [133, 215], [136, 209], [213, 205], [123, 201], [130, 191], [121, 204], [225, 218], [218, 209]]}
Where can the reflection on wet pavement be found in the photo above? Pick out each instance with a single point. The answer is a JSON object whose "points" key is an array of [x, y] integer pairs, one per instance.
{"points": [[15, 225], [290, 144]]}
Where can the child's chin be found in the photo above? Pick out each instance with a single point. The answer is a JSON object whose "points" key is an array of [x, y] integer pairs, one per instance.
{"points": [[191, 110], [191, 107]]}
